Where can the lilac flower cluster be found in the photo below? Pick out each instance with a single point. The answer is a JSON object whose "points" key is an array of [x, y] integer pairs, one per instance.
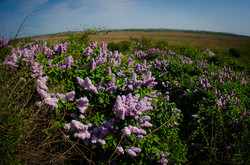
{"points": [[98, 134], [204, 82], [239, 120], [217, 92], [143, 122], [42, 90], [87, 84], [104, 46], [163, 160], [160, 65], [142, 68], [130, 62], [120, 149], [4, 43], [132, 151], [68, 60], [128, 106], [115, 61], [61, 48], [93, 45], [120, 74], [47, 52], [109, 71], [201, 64], [225, 99], [82, 106], [147, 81], [127, 131], [81, 130], [141, 54], [153, 94], [92, 65], [111, 86], [37, 71], [88, 51], [11, 60]]}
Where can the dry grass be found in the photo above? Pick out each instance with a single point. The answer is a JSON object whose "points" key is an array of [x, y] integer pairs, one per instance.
{"points": [[29, 133], [200, 40]]}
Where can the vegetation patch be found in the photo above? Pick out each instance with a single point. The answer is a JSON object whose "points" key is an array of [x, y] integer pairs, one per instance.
{"points": [[78, 102]]}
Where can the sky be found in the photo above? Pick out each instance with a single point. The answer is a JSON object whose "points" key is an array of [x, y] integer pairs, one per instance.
{"points": [[53, 16]]}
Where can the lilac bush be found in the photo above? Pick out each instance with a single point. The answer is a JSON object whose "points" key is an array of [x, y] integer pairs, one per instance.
{"points": [[141, 106]]}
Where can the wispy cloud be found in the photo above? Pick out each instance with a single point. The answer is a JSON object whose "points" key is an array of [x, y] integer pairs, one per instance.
{"points": [[72, 13], [29, 5]]}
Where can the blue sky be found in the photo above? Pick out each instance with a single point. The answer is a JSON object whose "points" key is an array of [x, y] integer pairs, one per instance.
{"points": [[63, 15]]}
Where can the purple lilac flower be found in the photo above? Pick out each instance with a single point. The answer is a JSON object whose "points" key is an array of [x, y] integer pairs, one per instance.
{"points": [[81, 130], [70, 96], [87, 84], [82, 104], [162, 161], [39, 104], [109, 71], [175, 124], [166, 98], [11, 60], [61, 96], [120, 149], [139, 136], [104, 46], [37, 71], [136, 149], [195, 116], [41, 83], [130, 88], [5, 42], [128, 106], [61, 48], [130, 62], [49, 64], [111, 89], [93, 45], [126, 131], [52, 102], [131, 152], [146, 124], [99, 133], [62, 67], [92, 65], [99, 86], [81, 116], [111, 82], [88, 52], [219, 102], [67, 126], [120, 74], [69, 60]]}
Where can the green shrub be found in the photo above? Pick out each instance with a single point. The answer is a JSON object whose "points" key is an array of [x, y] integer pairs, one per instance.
{"points": [[123, 46], [143, 43], [234, 52], [161, 44]]}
